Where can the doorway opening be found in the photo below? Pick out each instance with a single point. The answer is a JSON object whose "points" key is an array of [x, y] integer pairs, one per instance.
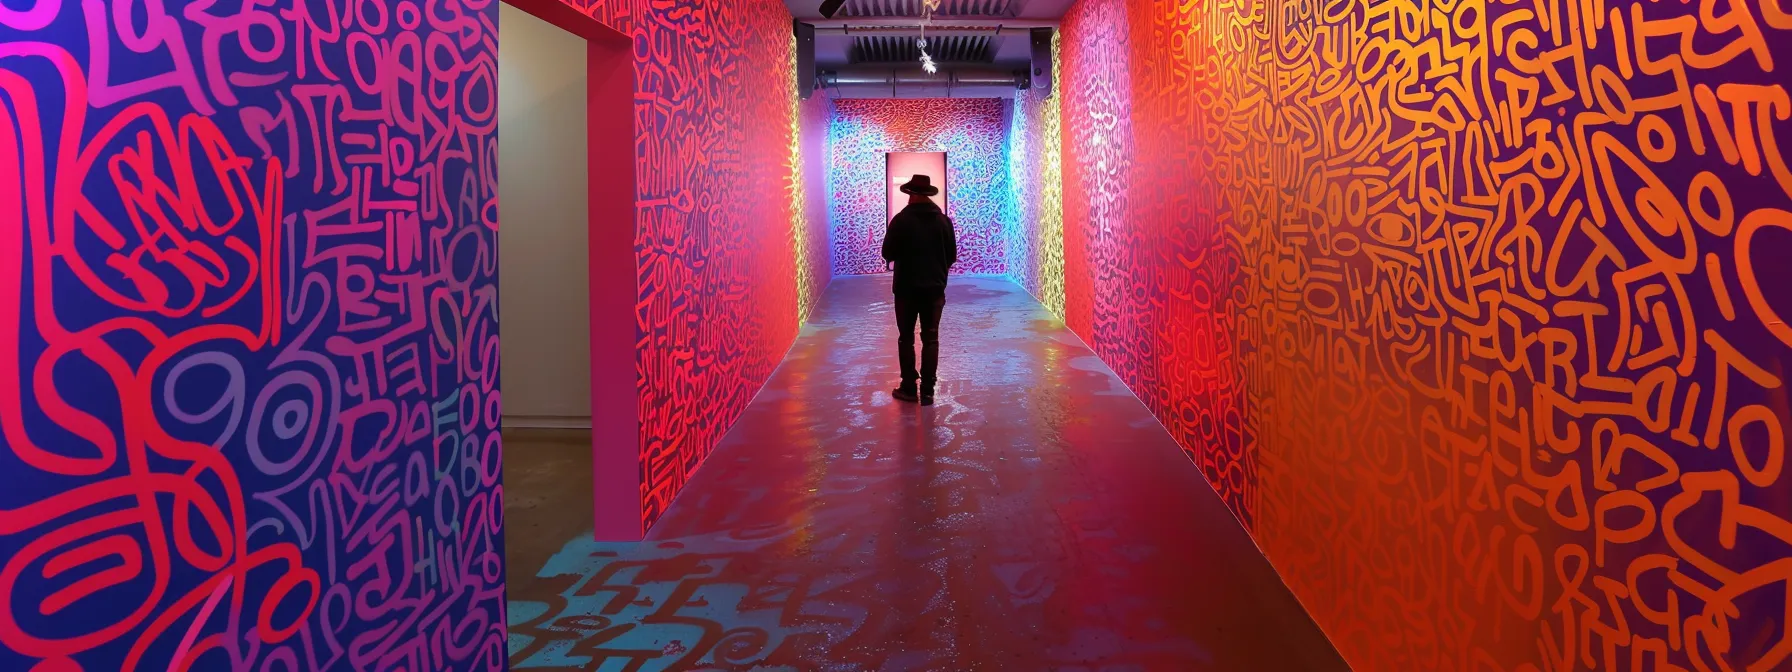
{"points": [[900, 166], [544, 234], [566, 282]]}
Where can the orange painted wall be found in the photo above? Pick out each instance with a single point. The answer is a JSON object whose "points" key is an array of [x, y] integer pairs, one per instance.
{"points": [[1474, 312]]}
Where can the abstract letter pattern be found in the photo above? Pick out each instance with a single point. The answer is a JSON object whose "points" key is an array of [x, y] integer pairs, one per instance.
{"points": [[1034, 226], [250, 344], [1473, 310], [726, 246], [973, 134], [249, 336]]}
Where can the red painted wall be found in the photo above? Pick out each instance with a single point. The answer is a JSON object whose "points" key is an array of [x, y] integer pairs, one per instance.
{"points": [[1466, 310], [719, 307], [726, 234], [617, 14]]}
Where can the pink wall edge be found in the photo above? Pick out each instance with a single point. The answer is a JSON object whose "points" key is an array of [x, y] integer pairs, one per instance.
{"points": [[615, 422]]}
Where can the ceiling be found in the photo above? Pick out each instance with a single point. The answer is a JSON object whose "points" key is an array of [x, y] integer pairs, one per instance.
{"points": [[1007, 50]]}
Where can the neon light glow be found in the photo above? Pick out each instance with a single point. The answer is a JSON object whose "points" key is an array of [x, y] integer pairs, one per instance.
{"points": [[973, 134], [1035, 226]]}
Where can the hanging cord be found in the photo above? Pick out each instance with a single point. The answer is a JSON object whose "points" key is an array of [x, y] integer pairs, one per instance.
{"points": [[927, 7]]}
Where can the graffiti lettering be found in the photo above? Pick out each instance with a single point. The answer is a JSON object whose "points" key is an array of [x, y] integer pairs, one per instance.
{"points": [[219, 328]]}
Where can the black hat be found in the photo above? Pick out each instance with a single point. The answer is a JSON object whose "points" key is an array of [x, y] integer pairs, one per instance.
{"points": [[920, 185]]}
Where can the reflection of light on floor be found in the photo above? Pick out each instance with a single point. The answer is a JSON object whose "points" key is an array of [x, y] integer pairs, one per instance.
{"points": [[805, 435], [837, 529]]}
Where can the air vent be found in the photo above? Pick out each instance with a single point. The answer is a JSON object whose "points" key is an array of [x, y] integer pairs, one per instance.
{"points": [[943, 48], [863, 8]]}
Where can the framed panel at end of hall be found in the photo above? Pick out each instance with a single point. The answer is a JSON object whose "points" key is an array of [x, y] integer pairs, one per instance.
{"points": [[900, 166]]}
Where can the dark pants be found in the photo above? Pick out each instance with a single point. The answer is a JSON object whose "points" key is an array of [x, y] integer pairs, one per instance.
{"points": [[925, 307]]}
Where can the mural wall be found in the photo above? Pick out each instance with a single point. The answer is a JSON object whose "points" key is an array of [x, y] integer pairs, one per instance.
{"points": [[728, 241], [248, 336], [971, 131], [1474, 312], [618, 14], [1033, 231], [809, 190], [252, 355]]}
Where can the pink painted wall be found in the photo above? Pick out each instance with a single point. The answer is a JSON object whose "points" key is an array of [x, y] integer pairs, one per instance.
{"points": [[901, 167], [726, 237]]}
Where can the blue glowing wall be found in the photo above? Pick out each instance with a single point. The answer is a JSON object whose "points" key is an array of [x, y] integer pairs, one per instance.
{"points": [[974, 135]]}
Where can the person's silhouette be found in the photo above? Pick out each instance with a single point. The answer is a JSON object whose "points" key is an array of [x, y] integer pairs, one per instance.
{"points": [[923, 245]]}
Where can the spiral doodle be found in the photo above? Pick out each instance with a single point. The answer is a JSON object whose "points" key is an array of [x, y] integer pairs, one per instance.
{"points": [[243, 266]]}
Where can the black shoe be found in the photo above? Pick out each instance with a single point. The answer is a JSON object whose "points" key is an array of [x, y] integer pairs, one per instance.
{"points": [[926, 398], [905, 394]]}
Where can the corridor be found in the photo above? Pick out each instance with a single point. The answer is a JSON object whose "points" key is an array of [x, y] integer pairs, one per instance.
{"points": [[463, 335], [1036, 518]]}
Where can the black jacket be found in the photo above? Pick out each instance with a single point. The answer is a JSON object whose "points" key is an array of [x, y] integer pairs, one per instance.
{"points": [[923, 245]]}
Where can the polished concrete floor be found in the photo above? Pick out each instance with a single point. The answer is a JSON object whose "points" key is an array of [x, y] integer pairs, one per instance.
{"points": [[547, 499], [1037, 518]]}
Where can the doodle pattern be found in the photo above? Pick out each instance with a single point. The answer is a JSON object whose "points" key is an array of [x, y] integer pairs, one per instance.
{"points": [[248, 336], [1465, 308], [254, 253], [617, 14], [973, 134], [808, 193], [1034, 229], [722, 291]]}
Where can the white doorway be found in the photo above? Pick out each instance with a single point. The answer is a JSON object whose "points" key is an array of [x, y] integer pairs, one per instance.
{"points": [[543, 238], [567, 276]]}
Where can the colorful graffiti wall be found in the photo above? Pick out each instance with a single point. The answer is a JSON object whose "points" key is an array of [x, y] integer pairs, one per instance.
{"points": [[809, 189], [249, 336], [251, 404], [972, 132], [728, 240], [617, 14], [1473, 312], [1033, 232]]}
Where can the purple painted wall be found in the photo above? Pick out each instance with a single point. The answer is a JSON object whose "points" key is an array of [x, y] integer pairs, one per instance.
{"points": [[249, 336]]}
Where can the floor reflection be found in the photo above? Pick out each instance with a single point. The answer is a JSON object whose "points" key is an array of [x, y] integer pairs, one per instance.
{"points": [[1036, 518]]}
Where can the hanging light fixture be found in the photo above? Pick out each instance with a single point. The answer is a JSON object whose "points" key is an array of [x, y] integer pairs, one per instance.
{"points": [[927, 7]]}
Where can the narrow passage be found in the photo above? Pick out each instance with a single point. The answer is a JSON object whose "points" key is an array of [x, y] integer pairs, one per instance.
{"points": [[1036, 518]]}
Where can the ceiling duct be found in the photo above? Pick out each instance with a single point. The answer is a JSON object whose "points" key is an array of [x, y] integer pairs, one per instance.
{"points": [[913, 82], [936, 28], [944, 49], [905, 8]]}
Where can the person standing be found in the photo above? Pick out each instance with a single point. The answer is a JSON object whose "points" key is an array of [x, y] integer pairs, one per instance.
{"points": [[923, 246]]}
